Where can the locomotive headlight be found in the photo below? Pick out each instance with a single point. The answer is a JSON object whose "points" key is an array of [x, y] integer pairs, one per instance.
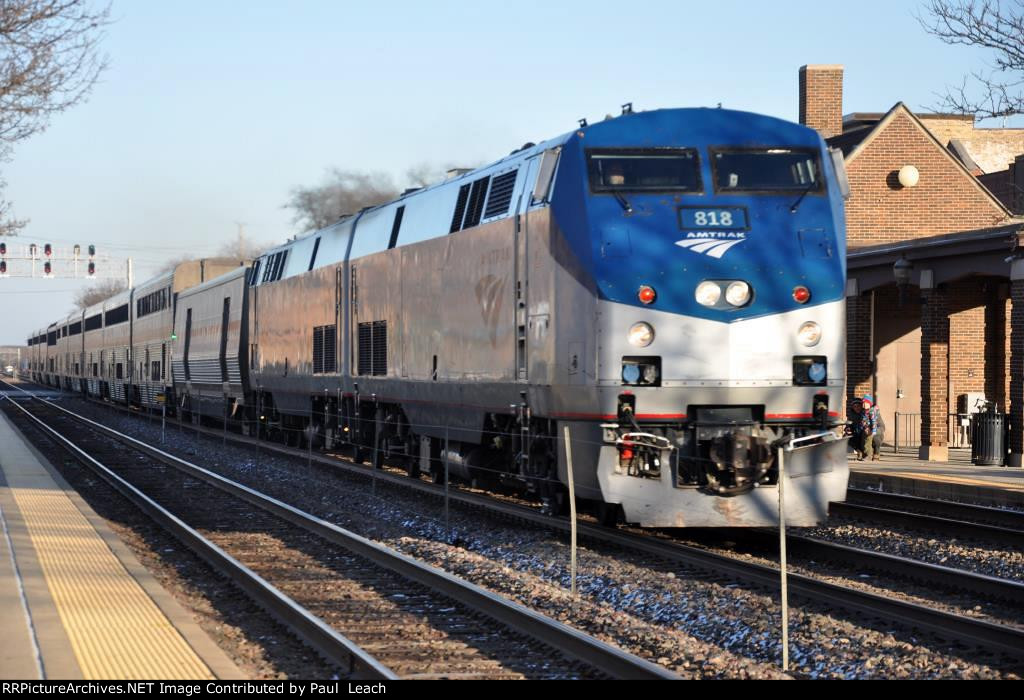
{"points": [[809, 334], [737, 293], [641, 334], [708, 293]]}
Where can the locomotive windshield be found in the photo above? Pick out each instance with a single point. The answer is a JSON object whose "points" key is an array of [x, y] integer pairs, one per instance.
{"points": [[644, 170], [768, 170]]}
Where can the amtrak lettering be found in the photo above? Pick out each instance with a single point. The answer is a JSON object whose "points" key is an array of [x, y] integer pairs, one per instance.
{"points": [[714, 244]]}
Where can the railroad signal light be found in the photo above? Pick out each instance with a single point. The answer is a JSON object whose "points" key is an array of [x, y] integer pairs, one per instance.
{"points": [[92, 251], [3, 267], [48, 268], [77, 251], [33, 250], [92, 269], [3, 249], [48, 250]]}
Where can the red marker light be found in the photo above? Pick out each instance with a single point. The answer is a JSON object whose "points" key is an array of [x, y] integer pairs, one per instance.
{"points": [[801, 294], [646, 294]]}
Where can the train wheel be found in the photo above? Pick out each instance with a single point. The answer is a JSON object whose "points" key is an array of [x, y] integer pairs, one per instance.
{"points": [[437, 473], [359, 453], [377, 455], [608, 514], [554, 500], [412, 458]]}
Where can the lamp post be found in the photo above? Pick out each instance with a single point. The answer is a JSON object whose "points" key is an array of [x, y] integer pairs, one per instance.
{"points": [[901, 270]]}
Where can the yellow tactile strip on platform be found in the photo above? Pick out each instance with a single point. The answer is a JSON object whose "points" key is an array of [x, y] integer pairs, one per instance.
{"points": [[116, 630], [944, 479]]}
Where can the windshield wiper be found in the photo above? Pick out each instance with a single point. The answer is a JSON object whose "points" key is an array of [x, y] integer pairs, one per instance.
{"points": [[626, 206], [796, 204]]}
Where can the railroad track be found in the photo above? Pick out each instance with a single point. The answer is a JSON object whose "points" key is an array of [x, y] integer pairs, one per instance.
{"points": [[947, 625], [944, 578], [891, 511], [360, 604], [960, 512]]}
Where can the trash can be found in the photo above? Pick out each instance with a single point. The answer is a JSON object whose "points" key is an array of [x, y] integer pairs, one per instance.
{"points": [[987, 444]]}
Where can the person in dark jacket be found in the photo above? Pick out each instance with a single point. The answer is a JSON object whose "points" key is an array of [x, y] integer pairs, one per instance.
{"points": [[855, 429]]}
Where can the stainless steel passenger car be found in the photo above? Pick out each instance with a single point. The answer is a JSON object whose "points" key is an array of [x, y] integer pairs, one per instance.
{"points": [[210, 360], [94, 352], [117, 337], [152, 322]]}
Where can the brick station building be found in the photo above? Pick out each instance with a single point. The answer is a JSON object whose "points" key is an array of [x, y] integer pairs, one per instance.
{"points": [[957, 328]]}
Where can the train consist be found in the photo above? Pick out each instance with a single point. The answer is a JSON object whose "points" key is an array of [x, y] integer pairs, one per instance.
{"points": [[666, 288]]}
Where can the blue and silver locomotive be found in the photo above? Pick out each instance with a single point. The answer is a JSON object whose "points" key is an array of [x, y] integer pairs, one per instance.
{"points": [[665, 288]]}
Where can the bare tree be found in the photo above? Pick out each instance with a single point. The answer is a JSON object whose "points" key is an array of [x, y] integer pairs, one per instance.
{"points": [[99, 291], [173, 263], [242, 248], [342, 192], [996, 25], [49, 62]]}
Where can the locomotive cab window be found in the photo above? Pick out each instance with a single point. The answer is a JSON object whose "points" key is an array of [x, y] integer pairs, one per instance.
{"points": [[766, 170], [644, 170]]}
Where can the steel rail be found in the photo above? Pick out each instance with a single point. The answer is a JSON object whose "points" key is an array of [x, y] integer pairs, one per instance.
{"points": [[334, 646], [902, 518], [569, 641], [1013, 519], [989, 635], [945, 577]]}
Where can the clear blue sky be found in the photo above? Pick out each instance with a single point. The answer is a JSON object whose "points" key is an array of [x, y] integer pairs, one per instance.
{"points": [[212, 111]]}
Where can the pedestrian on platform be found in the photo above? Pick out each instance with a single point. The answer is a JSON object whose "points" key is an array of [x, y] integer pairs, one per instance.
{"points": [[855, 427], [869, 416], [879, 432]]}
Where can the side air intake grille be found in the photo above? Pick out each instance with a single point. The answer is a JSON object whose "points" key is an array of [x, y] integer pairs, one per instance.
{"points": [[460, 209], [373, 348], [476, 202], [501, 194], [324, 355]]}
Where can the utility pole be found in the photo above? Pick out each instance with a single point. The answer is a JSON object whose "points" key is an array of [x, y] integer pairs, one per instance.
{"points": [[240, 245]]}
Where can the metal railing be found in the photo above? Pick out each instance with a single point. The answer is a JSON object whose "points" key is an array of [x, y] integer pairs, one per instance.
{"points": [[906, 430]]}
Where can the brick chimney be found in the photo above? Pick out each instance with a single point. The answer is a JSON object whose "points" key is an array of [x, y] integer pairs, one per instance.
{"points": [[821, 98], [1017, 175]]}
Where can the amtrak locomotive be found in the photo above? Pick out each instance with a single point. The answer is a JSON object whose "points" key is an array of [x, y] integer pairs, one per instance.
{"points": [[667, 285]]}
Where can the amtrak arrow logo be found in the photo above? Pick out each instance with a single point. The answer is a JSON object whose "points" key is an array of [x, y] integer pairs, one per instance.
{"points": [[714, 244], [490, 291]]}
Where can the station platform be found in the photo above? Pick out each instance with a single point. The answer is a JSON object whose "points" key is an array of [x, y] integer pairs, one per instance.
{"points": [[75, 603], [957, 479]]}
